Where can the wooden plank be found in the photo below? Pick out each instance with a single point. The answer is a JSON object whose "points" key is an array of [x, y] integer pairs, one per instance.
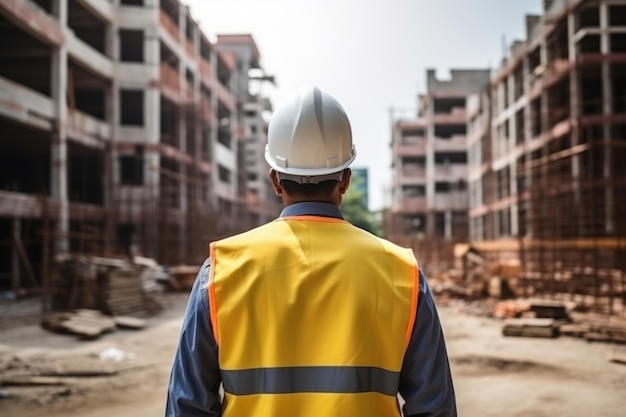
{"points": [[549, 309], [33, 381], [128, 322], [88, 324], [17, 242], [530, 328], [83, 373], [617, 358]]}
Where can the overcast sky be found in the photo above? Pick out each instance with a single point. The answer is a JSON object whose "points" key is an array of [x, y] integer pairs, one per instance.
{"points": [[371, 55]]}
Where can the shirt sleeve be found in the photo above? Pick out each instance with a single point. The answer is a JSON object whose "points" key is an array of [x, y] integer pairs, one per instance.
{"points": [[425, 380], [194, 384]]}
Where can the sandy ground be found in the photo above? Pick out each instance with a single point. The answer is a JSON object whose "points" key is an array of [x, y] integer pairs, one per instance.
{"points": [[494, 375]]}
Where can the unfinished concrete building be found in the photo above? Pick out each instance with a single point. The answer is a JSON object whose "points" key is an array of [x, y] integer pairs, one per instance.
{"points": [[261, 202], [118, 134], [429, 163], [548, 155]]}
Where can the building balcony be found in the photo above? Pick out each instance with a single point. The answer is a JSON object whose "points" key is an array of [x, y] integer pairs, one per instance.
{"points": [[102, 8], [458, 115], [223, 94], [407, 174], [455, 143], [206, 110], [188, 92], [190, 48], [25, 105], [35, 20], [169, 151], [458, 200], [556, 70], [170, 81], [205, 70], [168, 24], [89, 57], [87, 130], [451, 171], [24, 205], [410, 204], [413, 149]]}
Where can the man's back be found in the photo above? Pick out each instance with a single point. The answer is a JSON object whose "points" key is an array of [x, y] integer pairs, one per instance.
{"points": [[311, 311]]}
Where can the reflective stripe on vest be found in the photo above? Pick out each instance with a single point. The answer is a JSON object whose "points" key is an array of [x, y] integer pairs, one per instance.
{"points": [[337, 379], [306, 308]]}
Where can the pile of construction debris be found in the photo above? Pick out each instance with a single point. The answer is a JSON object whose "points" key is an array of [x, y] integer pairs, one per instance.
{"points": [[113, 286], [92, 296], [492, 287], [549, 318], [89, 324]]}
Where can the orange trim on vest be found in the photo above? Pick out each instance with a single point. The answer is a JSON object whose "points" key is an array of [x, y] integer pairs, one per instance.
{"points": [[409, 328], [211, 293], [314, 218]]}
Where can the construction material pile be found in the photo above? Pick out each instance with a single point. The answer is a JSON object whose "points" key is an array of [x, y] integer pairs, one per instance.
{"points": [[89, 324], [553, 318], [113, 286]]}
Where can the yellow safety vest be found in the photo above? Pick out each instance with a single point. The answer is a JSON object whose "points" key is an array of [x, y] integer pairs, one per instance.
{"points": [[312, 317]]}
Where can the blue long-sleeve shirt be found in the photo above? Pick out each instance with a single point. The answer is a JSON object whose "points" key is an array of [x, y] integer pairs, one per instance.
{"points": [[425, 381]]}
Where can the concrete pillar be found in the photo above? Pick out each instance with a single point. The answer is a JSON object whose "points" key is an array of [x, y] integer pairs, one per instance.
{"points": [[182, 135], [58, 175], [512, 145], [607, 111], [182, 188], [574, 83], [152, 160], [182, 20], [213, 142], [16, 276], [448, 225], [544, 112], [111, 98], [516, 228], [430, 169]]}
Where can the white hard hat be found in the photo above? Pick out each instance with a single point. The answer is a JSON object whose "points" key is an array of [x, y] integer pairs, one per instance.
{"points": [[309, 137]]}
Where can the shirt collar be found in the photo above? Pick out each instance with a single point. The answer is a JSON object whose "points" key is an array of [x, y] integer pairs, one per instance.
{"points": [[312, 208]]}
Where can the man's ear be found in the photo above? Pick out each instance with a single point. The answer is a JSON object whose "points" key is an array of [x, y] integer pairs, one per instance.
{"points": [[344, 184], [275, 183]]}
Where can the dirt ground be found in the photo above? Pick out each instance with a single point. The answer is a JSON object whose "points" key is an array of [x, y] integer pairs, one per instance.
{"points": [[494, 375]]}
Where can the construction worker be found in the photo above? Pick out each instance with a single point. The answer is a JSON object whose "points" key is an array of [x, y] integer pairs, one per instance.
{"points": [[309, 315]]}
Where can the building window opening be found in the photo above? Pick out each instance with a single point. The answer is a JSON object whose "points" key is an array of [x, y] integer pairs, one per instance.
{"points": [[86, 26], [131, 108], [409, 191], [617, 15], [447, 131], [590, 44], [442, 187], [224, 174], [446, 158], [618, 42], [589, 17], [448, 105], [131, 169], [131, 45]]}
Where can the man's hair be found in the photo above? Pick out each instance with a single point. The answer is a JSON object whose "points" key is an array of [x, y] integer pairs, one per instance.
{"points": [[323, 188]]}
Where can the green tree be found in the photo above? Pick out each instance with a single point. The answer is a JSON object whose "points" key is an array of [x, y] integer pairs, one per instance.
{"points": [[355, 210]]}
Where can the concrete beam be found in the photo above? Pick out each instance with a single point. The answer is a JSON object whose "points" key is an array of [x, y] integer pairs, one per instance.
{"points": [[101, 8], [20, 205], [87, 130], [24, 105], [88, 57], [33, 19]]}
